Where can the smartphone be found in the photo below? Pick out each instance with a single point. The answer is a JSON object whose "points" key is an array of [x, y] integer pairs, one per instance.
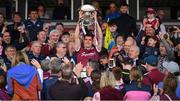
{"points": [[1, 62], [111, 63], [83, 74]]}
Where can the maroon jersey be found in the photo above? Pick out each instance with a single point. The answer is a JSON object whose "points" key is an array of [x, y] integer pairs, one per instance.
{"points": [[152, 23], [84, 55]]}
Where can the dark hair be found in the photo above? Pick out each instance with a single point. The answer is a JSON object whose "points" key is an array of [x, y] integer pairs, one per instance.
{"points": [[41, 4], [94, 64], [117, 73], [59, 23], [66, 33], [16, 13], [170, 84], [124, 4], [32, 10], [2, 14], [121, 35], [89, 35], [96, 76]]}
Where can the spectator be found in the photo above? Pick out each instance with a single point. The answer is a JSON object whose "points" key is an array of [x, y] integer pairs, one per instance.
{"points": [[71, 52], [133, 53], [47, 27], [35, 51], [72, 35], [89, 50], [60, 28], [107, 88], [41, 9], [10, 52], [161, 15], [95, 76], [55, 66], [22, 40], [127, 65], [166, 52], [3, 91], [63, 87], [125, 23], [52, 41], [120, 39], [91, 66], [2, 24], [136, 90], [151, 19], [13, 28], [65, 38], [61, 12], [98, 9], [22, 79], [113, 12], [33, 25], [151, 77], [61, 52], [104, 62], [46, 66], [118, 76], [42, 38], [168, 91], [6, 40]]}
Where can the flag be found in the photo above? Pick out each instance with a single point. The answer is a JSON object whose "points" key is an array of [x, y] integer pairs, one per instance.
{"points": [[108, 38]]}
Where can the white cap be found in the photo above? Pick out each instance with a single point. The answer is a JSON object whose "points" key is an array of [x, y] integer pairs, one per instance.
{"points": [[171, 66]]}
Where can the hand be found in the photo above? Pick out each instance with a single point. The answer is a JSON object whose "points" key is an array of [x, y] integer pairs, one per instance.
{"points": [[21, 29], [145, 21], [4, 68], [80, 14], [65, 60], [78, 69], [36, 63], [94, 15], [161, 35], [51, 44], [155, 89]]}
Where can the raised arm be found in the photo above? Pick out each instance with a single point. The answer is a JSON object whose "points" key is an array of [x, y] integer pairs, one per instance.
{"points": [[99, 35], [77, 32]]}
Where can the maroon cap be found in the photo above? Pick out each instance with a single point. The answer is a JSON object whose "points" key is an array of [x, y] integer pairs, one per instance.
{"points": [[150, 10]]}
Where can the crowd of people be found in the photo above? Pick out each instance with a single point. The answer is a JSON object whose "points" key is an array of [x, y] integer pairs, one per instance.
{"points": [[41, 62]]}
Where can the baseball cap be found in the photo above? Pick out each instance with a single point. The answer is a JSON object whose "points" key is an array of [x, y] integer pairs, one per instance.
{"points": [[151, 60], [150, 10], [171, 66]]}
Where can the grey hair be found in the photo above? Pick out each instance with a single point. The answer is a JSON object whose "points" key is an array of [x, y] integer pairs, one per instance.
{"points": [[56, 65], [46, 65], [66, 71], [53, 31], [136, 48]]}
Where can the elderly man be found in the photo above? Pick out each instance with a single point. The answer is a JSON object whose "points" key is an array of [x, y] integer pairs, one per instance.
{"points": [[35, 51]]}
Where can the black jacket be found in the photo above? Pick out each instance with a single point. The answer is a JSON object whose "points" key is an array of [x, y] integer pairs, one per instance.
{"points": [[126, 25], [63, 90]]}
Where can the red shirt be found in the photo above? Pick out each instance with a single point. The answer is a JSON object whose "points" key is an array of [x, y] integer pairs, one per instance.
{"points": [[84, 55], [154, 76]]}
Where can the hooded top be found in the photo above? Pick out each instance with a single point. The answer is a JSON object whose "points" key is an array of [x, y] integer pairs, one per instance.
{"points": [[22, 73]]}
